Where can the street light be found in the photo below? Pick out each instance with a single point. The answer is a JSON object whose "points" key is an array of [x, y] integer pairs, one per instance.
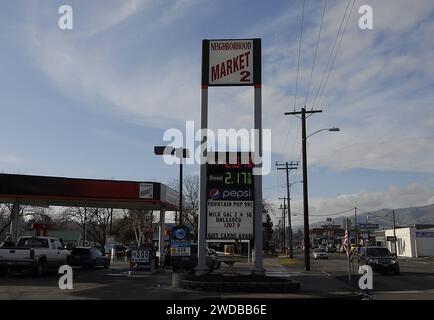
{"points": [[329, 129], [180, 153], [292, 183]]}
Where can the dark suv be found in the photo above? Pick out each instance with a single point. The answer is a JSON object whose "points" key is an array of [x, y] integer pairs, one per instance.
{"points": [[378, 258]]}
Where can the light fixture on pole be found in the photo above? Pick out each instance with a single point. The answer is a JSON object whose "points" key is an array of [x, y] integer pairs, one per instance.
{"points": [[180, 153]]}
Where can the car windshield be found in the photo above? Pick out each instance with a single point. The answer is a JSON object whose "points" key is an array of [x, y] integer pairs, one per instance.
{"points": [[33, 243], [319, 250], [378, 252]]}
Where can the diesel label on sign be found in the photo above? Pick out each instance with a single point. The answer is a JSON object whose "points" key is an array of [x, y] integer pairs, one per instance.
{"points": [[230, 62]]}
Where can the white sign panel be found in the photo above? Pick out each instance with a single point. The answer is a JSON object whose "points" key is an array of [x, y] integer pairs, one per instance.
{"points": [[230, 219], [180, 251], [140, 256], [230, 62], [146, 191]]}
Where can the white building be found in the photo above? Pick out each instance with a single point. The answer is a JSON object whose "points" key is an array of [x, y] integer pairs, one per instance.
{"points": [[412, 242]]}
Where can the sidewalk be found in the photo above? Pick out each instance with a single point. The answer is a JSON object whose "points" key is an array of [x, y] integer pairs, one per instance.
{"points": [[313, 284]]}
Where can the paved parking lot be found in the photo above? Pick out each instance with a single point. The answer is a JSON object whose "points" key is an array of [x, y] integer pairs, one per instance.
{"points": [[111, 283], [416, 280], [328, 278]]}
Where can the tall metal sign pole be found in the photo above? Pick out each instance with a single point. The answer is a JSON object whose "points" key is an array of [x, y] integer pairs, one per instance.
{"points": [[231, 62]]}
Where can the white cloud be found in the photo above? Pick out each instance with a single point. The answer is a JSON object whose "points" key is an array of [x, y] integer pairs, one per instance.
{"points": [[369, 94], [110, 15], [393, 198]]}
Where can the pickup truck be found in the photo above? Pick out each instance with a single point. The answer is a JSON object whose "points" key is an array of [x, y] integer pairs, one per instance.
{"points": [[34, 253]]}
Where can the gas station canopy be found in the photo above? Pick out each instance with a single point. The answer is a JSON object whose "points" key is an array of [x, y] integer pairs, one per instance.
{"points": [[58, 191]]}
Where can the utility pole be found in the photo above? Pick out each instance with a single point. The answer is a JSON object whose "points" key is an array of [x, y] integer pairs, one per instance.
{"points": [[305, 195], [293, 165], [367, 229], [284, 222], [355, 225], [180, 192], [394, 232], [84, 227], [282, 229]]}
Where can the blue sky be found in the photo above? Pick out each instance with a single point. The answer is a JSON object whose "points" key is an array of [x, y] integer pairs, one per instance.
{"points": [[93, 101]]}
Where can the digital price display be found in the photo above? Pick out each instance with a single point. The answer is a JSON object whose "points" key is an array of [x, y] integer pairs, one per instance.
{"points": [[230, 198]]}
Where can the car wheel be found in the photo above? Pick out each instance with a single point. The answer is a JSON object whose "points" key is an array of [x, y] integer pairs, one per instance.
{"points": [[93, 265], [396, 272], [40, 269], [106, 265]]}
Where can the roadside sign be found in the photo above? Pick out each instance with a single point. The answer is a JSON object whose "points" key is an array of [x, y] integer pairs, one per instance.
{"points": [[180, 241], [140, 256], [367, 226], [231, 62], [230, 197], [424, 234], [180, 251], [391, 238], [142, 259]]}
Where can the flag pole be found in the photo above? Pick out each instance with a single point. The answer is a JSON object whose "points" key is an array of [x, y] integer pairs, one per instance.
{"points": [[347, 239]]}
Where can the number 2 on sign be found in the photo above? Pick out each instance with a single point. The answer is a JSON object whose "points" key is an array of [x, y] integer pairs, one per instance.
{"points": [[245, 76]]}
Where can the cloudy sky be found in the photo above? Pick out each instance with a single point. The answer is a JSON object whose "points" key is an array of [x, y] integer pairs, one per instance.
{"points": [[93, 101]]}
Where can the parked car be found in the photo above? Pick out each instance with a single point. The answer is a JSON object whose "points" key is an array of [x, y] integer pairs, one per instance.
{"points": [[215, 252], [190, 262], [121, 250], [331, 249], [320, 253], [380, 259], [88, 257], [34, 253]]}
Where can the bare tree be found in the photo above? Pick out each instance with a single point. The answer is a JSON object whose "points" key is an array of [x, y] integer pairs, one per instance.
{"points": [[94, 221], [191, 200], [37, 214], [5, 219], [141, 220]]}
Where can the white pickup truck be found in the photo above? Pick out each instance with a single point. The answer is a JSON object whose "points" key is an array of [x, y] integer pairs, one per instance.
{"points": [[35, 253]]}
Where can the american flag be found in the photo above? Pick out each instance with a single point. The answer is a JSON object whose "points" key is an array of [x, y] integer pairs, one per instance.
{"points": [[346, 244]]}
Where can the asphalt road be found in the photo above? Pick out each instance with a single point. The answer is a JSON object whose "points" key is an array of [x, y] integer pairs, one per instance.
{"points": [[416, 280]]}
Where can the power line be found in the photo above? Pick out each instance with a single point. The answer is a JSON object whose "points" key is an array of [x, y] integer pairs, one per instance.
{"points": [[299, 54], [275, 186], [374, 215], [332, 214], [316, 51], [337, 50], [331, 53]]}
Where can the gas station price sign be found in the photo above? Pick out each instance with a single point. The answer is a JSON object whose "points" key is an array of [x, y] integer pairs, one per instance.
{"points": [[230, 198]]}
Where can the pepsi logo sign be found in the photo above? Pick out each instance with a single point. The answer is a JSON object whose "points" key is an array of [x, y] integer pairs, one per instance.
{"points": [[230, 194], [214, 193]]}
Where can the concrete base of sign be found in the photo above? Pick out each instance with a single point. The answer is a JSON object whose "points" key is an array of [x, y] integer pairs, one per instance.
{"points": [[258, 272], [201, 272], [177, 277]]}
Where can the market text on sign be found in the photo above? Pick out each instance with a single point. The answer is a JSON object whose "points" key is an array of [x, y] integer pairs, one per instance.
{"points": [[230, 66]]}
